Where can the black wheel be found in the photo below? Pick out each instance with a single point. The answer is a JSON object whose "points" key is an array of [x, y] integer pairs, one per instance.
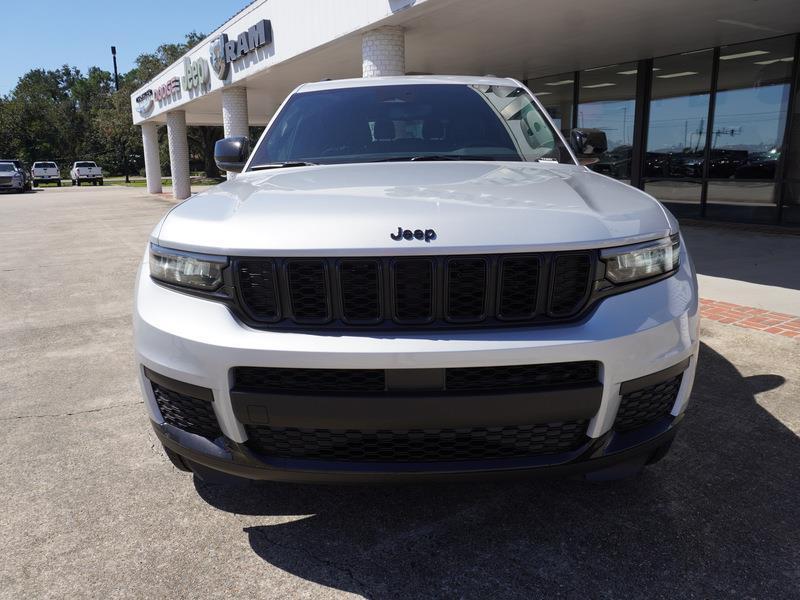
{"points": [[58, 183], [78, 182], [101, 182], [94, 182], [35, 183]]}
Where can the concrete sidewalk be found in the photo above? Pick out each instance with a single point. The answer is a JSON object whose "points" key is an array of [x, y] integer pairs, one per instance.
{"points": [[747, 268]]}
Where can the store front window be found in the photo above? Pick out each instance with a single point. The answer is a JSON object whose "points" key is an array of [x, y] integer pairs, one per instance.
{"points": [[556, 94], [607, 101], [677, 129], [749, 123], [752, 160]]}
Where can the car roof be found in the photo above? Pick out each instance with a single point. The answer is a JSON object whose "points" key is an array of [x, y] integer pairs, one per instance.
{"points": [[335, 84]]}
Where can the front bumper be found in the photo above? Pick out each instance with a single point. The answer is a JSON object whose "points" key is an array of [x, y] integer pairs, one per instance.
{"points": [[632, 335]]}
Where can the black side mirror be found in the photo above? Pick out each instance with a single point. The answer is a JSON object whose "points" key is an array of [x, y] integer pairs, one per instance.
{"points": [[231, 153], [588, 142]]}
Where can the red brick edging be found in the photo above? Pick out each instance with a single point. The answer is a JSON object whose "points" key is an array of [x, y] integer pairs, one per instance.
{"points": [[750, 318]]}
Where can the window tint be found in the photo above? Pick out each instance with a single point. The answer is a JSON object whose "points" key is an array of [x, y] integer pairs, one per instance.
{"points": [[399, 122], [85, 164]]}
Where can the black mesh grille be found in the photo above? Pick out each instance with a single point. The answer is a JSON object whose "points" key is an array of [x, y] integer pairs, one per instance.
{"points": [[257, 285], [417, 445], [436, 292], [184, 412], [413, 290], [570, 284], [521, 376], [466, 289], [360, 282], [519, 287], [649, 404], [308, 290], [309, 380]]}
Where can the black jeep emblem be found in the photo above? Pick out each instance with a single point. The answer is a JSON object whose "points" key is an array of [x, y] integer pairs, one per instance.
{"points": [[418, 234]]}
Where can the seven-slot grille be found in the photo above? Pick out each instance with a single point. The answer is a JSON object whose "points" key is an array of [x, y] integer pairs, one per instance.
{"points": [[451, 291]]}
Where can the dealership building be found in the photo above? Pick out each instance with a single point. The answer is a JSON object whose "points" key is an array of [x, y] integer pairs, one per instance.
{"points": [[698, 100]]}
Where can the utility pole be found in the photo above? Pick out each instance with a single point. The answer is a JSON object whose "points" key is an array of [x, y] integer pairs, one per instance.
{"points": [[124, 145], [116, 75]]}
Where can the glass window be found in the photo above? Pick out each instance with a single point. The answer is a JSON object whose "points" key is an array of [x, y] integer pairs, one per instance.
{"points": [[676, 133], [410, 122], [556, 95], [749, 120], [607, 101]]}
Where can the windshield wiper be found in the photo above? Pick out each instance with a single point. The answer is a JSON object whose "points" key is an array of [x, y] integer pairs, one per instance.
{"points": [[288, 163]]}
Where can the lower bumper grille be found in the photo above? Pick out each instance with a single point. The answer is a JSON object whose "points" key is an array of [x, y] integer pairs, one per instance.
{"points": [[417, 445], [191, 412], [648, 404]]}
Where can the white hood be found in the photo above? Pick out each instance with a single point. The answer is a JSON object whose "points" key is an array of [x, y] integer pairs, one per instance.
{"points": [[474, 207]]}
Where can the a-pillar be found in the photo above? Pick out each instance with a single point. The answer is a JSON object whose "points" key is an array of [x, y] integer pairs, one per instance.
{"points": [[235, 121], [178, 154], [383, 52], [152, 162]]}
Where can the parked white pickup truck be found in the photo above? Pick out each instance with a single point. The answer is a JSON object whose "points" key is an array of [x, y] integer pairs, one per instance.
{"points": [[45, 172], [85, 171]]}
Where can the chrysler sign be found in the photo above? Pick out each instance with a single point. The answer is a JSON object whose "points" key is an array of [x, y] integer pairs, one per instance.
{"points": [[144, 102], [223, 51]]}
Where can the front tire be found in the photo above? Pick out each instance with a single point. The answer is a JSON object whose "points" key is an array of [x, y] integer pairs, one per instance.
{"points": [[101, 182], [58, 183], [78, 182]]}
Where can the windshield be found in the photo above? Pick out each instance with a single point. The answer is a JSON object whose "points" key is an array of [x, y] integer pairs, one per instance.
{"points": [[85, 164], [409, 122], [6, 167]]}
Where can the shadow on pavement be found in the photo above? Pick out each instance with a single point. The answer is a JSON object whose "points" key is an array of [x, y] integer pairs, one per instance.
{"points": [[717, 517]]}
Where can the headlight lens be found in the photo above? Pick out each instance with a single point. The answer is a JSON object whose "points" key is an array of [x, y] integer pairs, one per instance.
{"points": [[186, 269], [632, 263]]}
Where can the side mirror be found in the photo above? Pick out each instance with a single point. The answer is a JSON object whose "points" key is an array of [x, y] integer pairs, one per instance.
{"points": [[588, 142], [231, 153]]}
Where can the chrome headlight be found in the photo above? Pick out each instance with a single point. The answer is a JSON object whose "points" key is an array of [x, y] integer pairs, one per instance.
{"points": [[640, 261], [187, 269]]}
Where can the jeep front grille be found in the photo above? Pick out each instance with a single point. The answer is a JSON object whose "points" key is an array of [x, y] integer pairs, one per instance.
{"points": [[441, 291]]}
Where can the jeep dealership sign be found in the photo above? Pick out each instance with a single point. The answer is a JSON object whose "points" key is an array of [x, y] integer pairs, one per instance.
{"points": [[222, 51], [195, 74]]}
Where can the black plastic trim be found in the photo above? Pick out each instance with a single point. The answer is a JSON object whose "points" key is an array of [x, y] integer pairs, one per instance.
{"points": [[187, 389], [416, 410], [639, 383]]}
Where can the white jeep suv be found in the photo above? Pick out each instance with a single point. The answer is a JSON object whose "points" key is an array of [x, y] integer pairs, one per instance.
{"points": [[415, 278]]}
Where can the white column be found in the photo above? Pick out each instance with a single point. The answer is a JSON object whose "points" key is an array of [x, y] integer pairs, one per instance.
{"points": [[235, 120], [383, 52], [152, 162], [178, 154]]}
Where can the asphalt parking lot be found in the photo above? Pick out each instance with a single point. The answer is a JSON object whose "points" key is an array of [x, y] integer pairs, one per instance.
{"points": [[92, 508]]}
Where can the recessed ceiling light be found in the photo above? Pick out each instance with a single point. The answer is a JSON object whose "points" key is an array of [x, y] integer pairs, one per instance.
{"points": [[748, 25], [542, 93], [631, 72], [562, 82], [696, 51], [599, 85], [681, 74], [774, 60], [743, 54], [599, 68]]}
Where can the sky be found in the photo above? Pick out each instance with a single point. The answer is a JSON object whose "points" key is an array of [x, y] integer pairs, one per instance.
{"points": [[80, 33]]}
